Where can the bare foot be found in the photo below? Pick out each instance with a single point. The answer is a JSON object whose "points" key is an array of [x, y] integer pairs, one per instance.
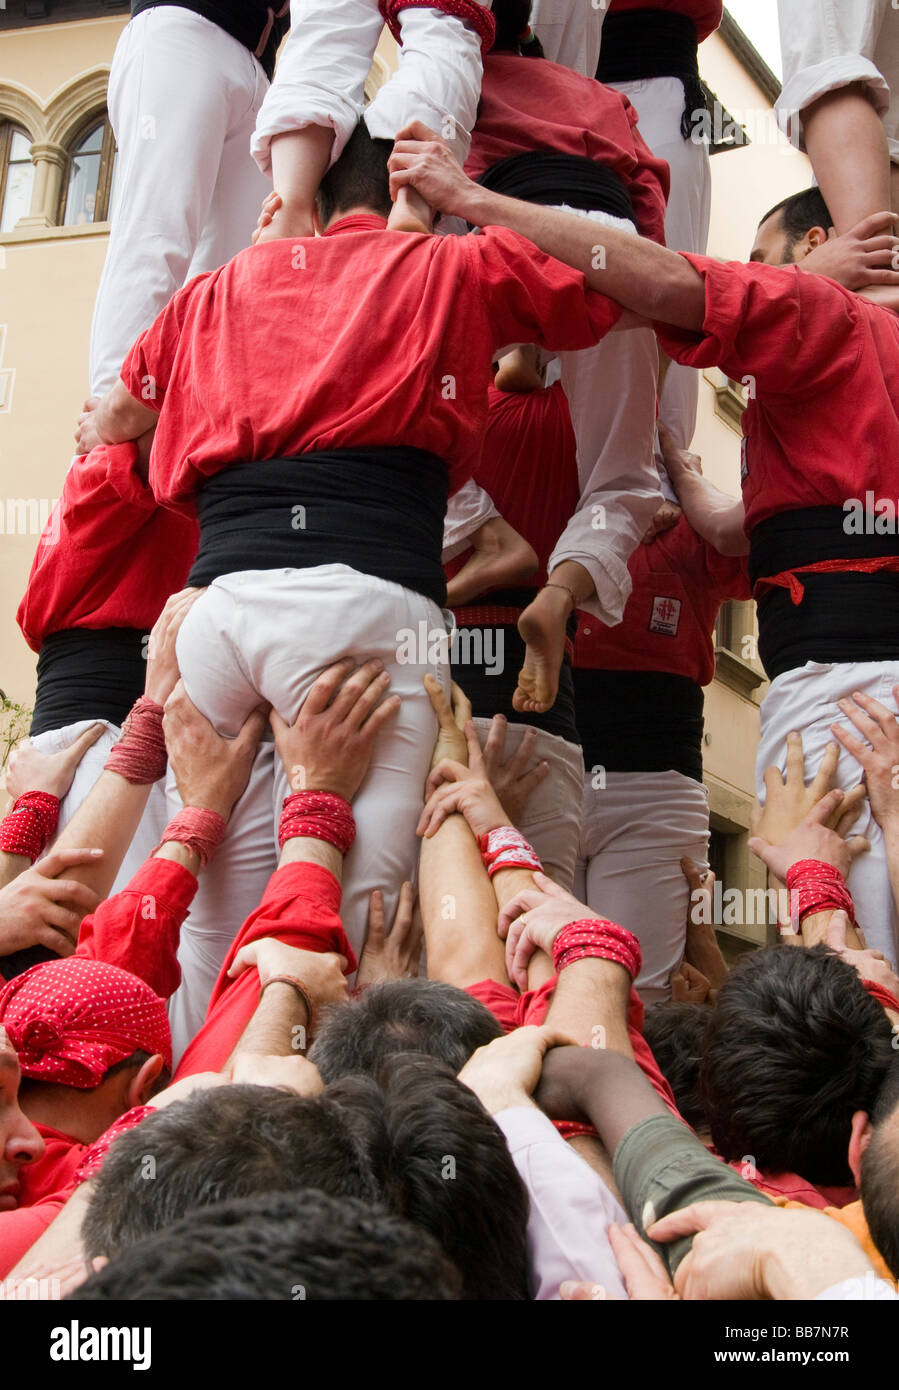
{"points": [[500, 558], [410, 213], [517, 371], [542, 626]]}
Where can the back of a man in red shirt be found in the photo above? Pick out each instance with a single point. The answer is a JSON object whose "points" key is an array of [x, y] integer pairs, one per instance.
{"points": [[316, 401]]}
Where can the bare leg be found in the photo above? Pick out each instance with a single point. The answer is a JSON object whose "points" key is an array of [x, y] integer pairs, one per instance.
{"points": [[542, 626], [300, 161], [847, 145], [518, 371], [501, 557]]}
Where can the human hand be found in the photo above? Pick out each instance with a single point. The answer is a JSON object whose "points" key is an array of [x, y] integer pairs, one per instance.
{"points": [[278, 220], [689, 985], [504, 1073], [86, 434], [680, 464], [395, 955], [295, 1073], [870, 965], [532, 920], [30, 770], [452, 717], [456, 787], [878, 757], [812, 839], [788, 800], [513, 779], [423, 161], [210, 771], [667, 516], [162, 663], [863, 256], [321, 972], [39, 909], [329, 745]]}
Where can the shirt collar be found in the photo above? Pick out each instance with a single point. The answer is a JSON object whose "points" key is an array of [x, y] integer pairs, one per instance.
{"points": [[357, 222]]}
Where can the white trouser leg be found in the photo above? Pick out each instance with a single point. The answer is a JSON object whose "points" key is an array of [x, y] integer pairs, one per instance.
{"points": [[570, 32], [552, 817], [466, 512], [152, 822], [636, 830], [827, 44], [179, 87], [269, 634], [659, 102], [806, 699]]}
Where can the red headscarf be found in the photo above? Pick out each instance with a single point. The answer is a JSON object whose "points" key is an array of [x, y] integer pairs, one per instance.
{"points": [[71, 1020]]}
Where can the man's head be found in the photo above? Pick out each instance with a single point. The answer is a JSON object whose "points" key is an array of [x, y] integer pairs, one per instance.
{"points": [[358, 181], [20, 1142], [402, 1016], [874, 1156], [675, 1034], [795, 1046], [792, 229], [512, 22], [303, 1245]]}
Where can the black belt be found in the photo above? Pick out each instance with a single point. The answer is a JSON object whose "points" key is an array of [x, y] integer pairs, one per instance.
{"points": [[84, 673], [843, 617], [639, 44], [378, 510], [248, 21], [639, 721], [549, 177]]}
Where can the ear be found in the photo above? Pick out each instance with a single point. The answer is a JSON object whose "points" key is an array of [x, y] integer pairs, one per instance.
{"points": [[814, 237], [143, 1083], [859, 1139]]}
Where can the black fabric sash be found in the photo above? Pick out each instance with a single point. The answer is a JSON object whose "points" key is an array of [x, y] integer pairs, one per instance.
{"points": [[549, 177], [842, 617], [639, 721], [84, 673], [378, 510], [648, 43]]}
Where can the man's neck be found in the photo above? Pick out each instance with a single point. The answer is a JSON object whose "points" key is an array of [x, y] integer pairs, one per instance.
{"points": [[82, 1115], [355, 212]]}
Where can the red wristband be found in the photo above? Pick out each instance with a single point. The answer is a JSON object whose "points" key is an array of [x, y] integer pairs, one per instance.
{"points": [[595, 937], [506, 848], [28, 828], [92, 1158], [199, 830], [569, 1128], [321, 816], [476, 16], [884, 997], [140, 756], [815, 886]]}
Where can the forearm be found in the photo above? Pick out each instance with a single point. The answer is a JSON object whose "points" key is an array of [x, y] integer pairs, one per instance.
{"points": [[107, 819], [458, 908], [891, 841], [11, 865], [61, 1241], [304, 849], [507, 884], [119, 418], [590, 1005], [280, 1018], [641, 275], [715, 516]]}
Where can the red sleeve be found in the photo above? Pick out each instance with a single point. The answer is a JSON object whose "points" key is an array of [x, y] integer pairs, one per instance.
{"points": [[530, 297], [139, 929], [301, 907], [794, 333], [649, 185], [20, 1229]]}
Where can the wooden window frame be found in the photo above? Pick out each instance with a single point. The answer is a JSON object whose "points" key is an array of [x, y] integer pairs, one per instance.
{"points": [[8, 129], [104, 177]]}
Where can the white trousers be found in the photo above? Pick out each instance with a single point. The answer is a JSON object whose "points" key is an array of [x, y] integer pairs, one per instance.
{"points": [[268, 634], [659, 102], [154, 819], [321, 73], [806, 699], [636, 830], [183, 97], [551, 821], [570, 32], [827, 44]]}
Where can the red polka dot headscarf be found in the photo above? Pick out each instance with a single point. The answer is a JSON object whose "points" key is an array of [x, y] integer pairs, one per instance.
{"points": [[71, 1020]]}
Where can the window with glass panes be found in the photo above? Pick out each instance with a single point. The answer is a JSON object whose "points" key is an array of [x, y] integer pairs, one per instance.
{"points": [[89, 174], [16, 175]]}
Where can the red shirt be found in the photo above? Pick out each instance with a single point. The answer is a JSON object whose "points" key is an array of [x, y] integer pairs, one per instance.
{"points": [[301, 907], [680, 582], [361, 337], [823, 365], [705, 14], [532, 104], [108, 556]]}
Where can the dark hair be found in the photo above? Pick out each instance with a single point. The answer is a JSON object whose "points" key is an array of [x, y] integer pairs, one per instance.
{"points": [[288, 1246], [402, 1016], [359, 178], [230, 1141], [512, 20], [880, 1172], [794, 1046], [675, 1034], [801, 212], [134, 1062], [450, 1172]]}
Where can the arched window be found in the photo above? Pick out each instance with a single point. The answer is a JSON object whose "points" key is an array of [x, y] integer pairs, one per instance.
{"points": [[16, 175], [88, 179]]}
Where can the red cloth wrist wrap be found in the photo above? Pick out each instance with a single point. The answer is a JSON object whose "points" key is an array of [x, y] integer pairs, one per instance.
{"points": [[882, 995], [29, 826], [569, 1128], [506, 848], [321, 816], [140, 756], [92, 1158], [476, 16], [815, 886], [199, 830], [597, 938]]}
